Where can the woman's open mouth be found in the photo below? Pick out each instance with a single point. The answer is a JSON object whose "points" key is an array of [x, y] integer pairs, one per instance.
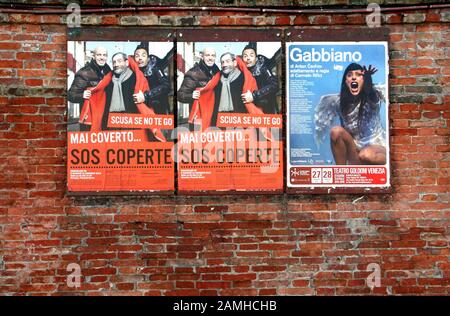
{"points": [[354, 87]]}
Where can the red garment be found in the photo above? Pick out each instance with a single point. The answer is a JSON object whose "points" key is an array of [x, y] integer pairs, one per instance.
{"points": [[93, 108], [203, 107]]}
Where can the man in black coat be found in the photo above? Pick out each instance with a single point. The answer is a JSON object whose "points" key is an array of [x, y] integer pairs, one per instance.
{"points": [[229, 89], [197, 77], [89, 76], [158, 96], [265, 97]]}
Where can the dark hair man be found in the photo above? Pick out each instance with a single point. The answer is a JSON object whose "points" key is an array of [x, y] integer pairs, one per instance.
{"points": [[265, 95], [158, 95]]}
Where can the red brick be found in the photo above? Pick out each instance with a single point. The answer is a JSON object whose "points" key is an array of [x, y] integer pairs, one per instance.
{"points": [[433, 17], [301, 20], [10, 46], [213, 285], [285, 20], [210, 208], [244, 21], [33, 82], [110, 20], [4, 37], [238, 277], [393, 18], [297, 291], [226, 20], [267, 292], [34, 55], [423, 71], [320, 19], [339, 19], [10, 64], [206, 20]]}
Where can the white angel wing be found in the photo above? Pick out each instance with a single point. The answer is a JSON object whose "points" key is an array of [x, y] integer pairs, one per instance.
{"points": [[324, 116], [381, 88]]}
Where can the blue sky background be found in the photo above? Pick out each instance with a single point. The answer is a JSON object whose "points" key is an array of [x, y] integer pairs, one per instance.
{"points": [[267, 49], [159, 49]]}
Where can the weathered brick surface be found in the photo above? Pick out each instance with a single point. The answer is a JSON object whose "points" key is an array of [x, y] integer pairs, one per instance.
{"points": [[235, 245], [221, 3]]}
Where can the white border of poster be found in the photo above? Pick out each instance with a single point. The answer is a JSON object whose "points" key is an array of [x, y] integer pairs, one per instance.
{"points": [[314, 79]]}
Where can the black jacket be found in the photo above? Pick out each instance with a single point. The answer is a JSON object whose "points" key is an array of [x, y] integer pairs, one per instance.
{"points": [[196, 77], [88, 76], [265, 96], [236, 92], [158, 96]]}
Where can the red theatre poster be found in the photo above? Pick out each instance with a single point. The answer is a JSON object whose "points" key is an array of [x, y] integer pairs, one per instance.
{"points": [[337, 122], [229, 121], [120, 116]]}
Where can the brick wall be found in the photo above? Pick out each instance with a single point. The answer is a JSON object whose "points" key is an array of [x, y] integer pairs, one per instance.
{"points": [[253, 245]]}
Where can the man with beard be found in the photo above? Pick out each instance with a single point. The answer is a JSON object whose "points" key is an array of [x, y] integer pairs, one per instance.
{"points": [[157, 96], [360, 139], [229, 88], [119, 92], [265, 96], [197, 77], [88, 76]]}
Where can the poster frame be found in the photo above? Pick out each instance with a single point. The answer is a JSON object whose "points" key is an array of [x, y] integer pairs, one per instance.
{"points": [[380, 34], [122, 34], [237, 35]]}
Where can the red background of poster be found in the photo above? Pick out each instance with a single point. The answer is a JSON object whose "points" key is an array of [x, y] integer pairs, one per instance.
{"points": [[123, 171], [262, 172]]}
